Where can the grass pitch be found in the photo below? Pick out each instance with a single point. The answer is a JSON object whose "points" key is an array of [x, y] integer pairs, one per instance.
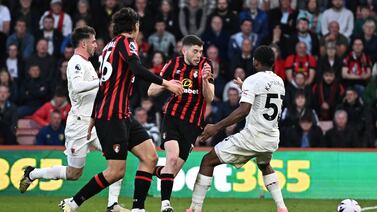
{"points": [[98, 204]]}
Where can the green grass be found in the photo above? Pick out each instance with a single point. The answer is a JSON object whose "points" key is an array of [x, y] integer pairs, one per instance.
{"points": [[39, 204]]}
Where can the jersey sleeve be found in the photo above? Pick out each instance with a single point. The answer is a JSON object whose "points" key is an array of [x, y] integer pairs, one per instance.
{"points": [[167, 70], [76, 72], [248, 90], [128, 49]]}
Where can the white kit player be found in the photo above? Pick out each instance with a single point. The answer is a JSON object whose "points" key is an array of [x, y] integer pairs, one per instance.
{"points": [[83, 84], [261, 103]]}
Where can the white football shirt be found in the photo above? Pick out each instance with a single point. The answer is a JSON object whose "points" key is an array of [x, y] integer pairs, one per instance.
{"points": [[83, 85], [265, 91]]}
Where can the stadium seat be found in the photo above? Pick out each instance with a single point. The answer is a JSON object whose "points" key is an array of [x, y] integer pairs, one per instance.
{"points": [[27, 129], [325, 125]]}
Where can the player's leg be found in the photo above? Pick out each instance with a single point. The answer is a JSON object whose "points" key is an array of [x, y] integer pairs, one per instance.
{"points": [[114, 189], [203, 180], [147, 155], [270, 180]]}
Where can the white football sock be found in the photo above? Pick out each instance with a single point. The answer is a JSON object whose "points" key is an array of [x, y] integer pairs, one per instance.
{"points": [[202, 184], [51, 173], [114, 191], [272, 184]]}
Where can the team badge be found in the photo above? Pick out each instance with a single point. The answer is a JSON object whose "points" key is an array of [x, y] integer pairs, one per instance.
{"points": [[178, 72], [164, 135], [196, 73], [116, 148], [73, 150]]}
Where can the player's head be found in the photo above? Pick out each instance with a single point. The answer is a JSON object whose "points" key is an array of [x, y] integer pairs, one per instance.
{"points": [[85, 38], [192, 49], [264, 58], [126, 20]]}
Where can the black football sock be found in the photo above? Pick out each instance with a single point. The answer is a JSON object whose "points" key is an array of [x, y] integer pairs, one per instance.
{"points": [[157, 171], [142, 184], [167, 181], [93, 187]]}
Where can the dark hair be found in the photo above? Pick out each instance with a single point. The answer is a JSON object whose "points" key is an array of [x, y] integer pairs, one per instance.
{"points": [[329, 70], [265, 55], [81, 33], [139, 109], [303, 19], [124, 21], [22, 19], [300, 92], [60, 92], [191, 40], [48, 17], [306, 117], [56, 111]]}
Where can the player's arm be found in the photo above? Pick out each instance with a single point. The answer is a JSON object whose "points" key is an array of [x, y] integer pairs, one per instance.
{"points": [[154, 89], [79, 85], [208, 86]]}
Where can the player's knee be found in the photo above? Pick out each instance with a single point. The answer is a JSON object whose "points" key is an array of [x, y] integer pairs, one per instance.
{"points": [[172, 159]]}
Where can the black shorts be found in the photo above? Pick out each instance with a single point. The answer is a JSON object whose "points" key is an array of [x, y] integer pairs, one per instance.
{"points": [[117, 136], [182, 131]]}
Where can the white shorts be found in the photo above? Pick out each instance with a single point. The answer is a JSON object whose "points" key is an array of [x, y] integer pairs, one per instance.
{"points": [[76, 144], [237, 150]]}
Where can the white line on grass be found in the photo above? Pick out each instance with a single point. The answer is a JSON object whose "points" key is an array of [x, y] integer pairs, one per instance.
{"points": [[369, 208]]}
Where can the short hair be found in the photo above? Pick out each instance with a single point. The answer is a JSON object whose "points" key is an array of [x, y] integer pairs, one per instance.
{"points": [[81, 33], [265, 55], [307, 117], [124, 21], [191, 40], [140, 109], [303, 19], [22, 19], [48, 17], [339, 111]]}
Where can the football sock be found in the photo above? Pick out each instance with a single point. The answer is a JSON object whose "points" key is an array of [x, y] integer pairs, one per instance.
{"points": [[272, 184], [202, 184], [167, 181], [93, 187], [157, 171], [51, 173], [114, 190], [142, 184]]}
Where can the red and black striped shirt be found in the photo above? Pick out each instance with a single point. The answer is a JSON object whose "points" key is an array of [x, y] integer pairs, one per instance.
{"points": [[191, 105], [116, 78]]}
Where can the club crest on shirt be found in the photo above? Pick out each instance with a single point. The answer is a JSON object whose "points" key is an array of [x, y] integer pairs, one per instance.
{"points": [[116, 148], [196, 71], [268, 86], [178, 72]]}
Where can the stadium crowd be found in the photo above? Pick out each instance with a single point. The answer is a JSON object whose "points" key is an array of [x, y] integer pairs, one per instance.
{"points": [[326, 52]]}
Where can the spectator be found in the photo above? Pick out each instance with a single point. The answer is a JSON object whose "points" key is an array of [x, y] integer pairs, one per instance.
{"points": [[327, 94], [145, 18], [34, 92], [219, 82], [103, 19], [304, 135], [193, 18], [8, 117], [217, 63], [28, 13], [143, 45], [158, 61], [152, 111], [370, 38], [279, 68], [370, 92], [339, 14], [14, 65], [62, 21], [365, 15], [215, 35], [44, 60], [23, 39], [227, 107], [169, 16], [329, 61], [243, 59], [67, 40], [142, 117], [341, 135], [58, 102], [162, 40], [83, 12], [277, 38], [238, 73], [293, 87], [53, 36], [6, 80], [334, 36], [5, 19], [292, 114], [285, 16], [312, 14], [371, 126], [229, 19], [52, 134], [301, 62], [356, 110], [61, 79], [258, 16], [357, 67], [304, 35], [235, 42], [178, 49]]}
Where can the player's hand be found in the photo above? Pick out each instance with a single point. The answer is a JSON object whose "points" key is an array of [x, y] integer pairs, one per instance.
{"points": [[209, 131], [174, 87], [206, 72], [91, 125], [238, 82]]}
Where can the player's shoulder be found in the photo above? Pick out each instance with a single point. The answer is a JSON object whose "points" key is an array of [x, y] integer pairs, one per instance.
{"points": [[75, 59]]}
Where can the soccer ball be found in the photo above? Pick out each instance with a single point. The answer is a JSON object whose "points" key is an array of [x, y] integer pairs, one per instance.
{"points": [[349, 205]]}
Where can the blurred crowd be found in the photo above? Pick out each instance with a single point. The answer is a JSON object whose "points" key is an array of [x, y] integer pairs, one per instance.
{"points": [[326, 52]]}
